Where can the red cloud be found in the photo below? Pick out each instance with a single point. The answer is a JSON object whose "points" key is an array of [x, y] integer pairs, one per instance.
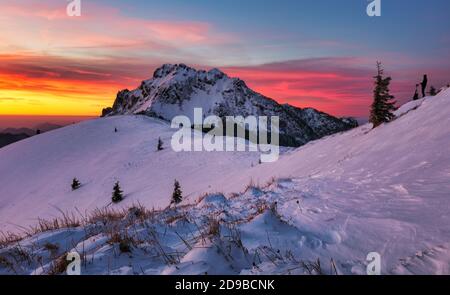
{"points": [[334, 85], [339, 86]]}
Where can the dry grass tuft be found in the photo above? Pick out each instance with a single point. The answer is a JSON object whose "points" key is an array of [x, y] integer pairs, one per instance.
{"points": [[59, 266], [6, 239], [106, 215], [67, 220]]}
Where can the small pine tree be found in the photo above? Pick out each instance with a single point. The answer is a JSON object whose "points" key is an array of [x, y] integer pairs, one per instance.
{"points": [[416, 94], [383, 105], [177, 194], [433, 91], [160, 144], [117, 194], [75, 184]]}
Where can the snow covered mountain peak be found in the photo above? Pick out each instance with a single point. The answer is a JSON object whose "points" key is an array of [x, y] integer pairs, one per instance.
{"points": [[182, 70], [166, 69], [169, 74], [176, 89]]}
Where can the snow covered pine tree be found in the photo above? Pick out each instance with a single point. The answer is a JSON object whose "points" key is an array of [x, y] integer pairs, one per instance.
{"points": [[383, 105], [75, 184], [433, 91], [160, 144], [177, 194], [117, 194]]}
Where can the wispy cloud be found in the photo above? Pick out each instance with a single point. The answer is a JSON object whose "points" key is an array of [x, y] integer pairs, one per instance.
{"points": [[45, 27]]}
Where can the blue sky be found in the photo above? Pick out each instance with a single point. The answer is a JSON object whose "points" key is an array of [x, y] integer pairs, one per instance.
{"points": [[410, 27]]}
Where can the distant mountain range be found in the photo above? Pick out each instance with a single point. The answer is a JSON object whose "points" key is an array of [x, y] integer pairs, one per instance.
{"points": [[178, 89], [27, 131], [11, 135], [8, 138]]}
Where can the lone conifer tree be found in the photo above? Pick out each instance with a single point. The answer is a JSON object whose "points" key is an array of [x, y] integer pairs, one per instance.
{"points": [[160, 144], [177, 194], [433, 91], [383, 104], [75, 184], [117, 194]]}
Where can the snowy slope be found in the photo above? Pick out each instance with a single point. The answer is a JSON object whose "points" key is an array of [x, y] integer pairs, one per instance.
{"points": [[411, 147], [35, 174], [382, 190]]}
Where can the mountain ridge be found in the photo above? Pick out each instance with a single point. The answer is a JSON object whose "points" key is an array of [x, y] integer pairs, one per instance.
{"points": [[178, 89], [10, 138]]}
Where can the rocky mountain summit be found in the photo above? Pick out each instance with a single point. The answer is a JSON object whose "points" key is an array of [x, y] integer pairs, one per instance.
{"points": [[178, 89]]}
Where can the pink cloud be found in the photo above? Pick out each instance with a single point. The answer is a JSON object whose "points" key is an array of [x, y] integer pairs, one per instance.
{"points": [[44, 26]]}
